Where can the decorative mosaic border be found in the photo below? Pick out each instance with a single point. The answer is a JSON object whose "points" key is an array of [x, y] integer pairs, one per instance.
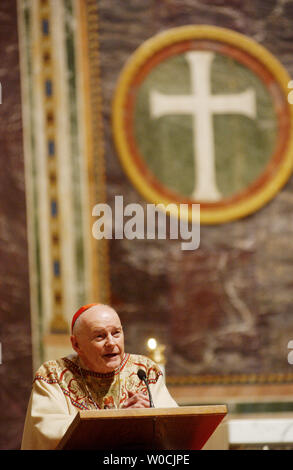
{"points": [[88, 10], [233, 379], [65, 178], [50, 104]]}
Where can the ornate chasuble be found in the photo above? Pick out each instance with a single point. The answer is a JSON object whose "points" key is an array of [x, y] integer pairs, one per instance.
{"points": [[61, 388], [88, 390]]}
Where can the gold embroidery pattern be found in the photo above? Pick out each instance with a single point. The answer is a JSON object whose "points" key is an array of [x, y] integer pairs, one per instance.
{"points": [[107, 390]]}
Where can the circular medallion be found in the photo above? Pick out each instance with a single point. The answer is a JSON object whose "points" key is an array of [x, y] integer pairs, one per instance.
{"points": [[201, 116]]}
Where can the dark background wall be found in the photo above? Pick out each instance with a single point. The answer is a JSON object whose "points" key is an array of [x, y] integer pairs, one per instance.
{"points": [[15, 337]]}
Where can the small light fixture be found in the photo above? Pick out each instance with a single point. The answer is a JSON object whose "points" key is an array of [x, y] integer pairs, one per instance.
{"points": [[152, 344]]}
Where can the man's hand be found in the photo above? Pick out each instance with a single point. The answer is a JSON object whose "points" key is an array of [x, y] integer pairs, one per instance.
{"points": [[136, 400]]}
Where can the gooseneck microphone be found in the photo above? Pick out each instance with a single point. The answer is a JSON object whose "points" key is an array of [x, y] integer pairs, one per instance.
{"points": [[142, 376]]}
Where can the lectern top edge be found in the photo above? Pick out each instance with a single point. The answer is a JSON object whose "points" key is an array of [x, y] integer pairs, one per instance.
{"points": [[149, 412]]}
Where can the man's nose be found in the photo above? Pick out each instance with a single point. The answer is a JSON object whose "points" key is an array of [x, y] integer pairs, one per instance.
{"points": [[110, 341]]}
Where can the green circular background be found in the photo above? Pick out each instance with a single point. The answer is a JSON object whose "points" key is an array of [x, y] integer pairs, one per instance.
{"points": [[243, 146]]}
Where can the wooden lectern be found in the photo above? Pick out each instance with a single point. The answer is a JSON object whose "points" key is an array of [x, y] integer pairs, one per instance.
{"points": [[182, 428]]}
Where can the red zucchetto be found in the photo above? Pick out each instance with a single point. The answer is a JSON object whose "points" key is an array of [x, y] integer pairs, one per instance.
{"points": [[79, 312]]}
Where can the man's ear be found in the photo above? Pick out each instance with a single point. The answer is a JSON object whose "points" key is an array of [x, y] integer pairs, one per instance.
{"points": [[74, 343]]}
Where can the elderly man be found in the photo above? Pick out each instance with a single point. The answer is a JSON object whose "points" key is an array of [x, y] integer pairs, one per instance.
{"points": [[100, 375]]}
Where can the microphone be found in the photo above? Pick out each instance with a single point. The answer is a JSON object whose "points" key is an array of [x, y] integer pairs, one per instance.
{"points": [[142, 376]]}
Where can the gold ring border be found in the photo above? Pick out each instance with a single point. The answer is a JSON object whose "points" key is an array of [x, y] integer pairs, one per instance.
{"points": [[144, 52]]}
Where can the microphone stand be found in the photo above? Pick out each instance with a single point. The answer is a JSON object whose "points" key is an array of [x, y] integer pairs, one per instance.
{"points": [[142, 376]]}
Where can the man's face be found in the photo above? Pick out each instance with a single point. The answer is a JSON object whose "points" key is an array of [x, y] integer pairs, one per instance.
{"points": [[99, 339]]}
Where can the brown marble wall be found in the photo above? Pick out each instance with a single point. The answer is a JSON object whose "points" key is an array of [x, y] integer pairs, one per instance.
{"points": [[227, 307], [15, 337]]}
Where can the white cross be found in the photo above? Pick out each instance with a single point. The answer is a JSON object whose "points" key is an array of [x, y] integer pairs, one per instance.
{"points": [[201, 104]]}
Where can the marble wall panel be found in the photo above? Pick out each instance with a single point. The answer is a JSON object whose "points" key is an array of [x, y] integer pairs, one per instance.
{"points": [[225, 308], [15, 336]]}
